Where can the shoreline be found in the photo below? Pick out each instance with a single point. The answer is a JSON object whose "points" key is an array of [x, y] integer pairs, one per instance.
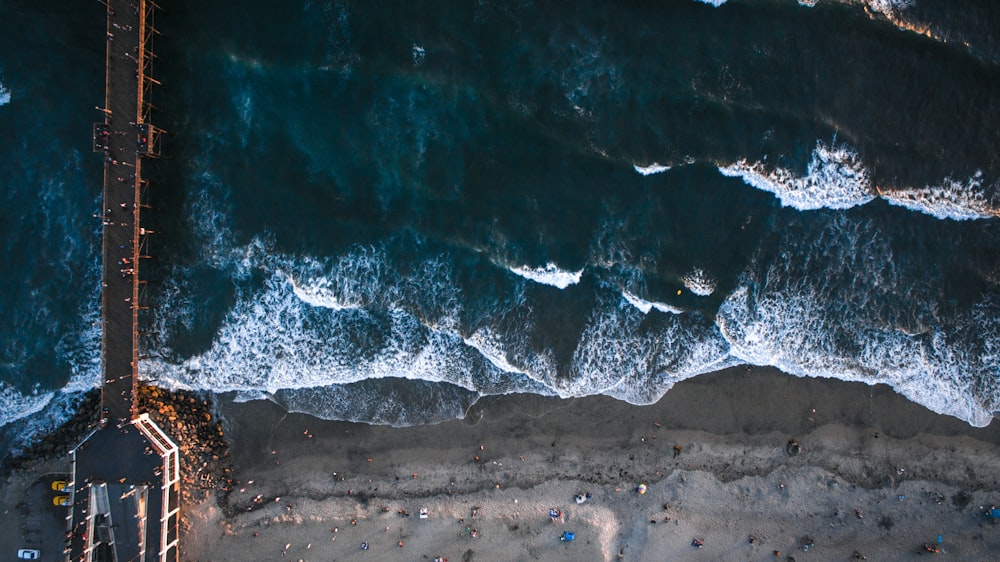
{"points": [[515, 457], [310, 489]]}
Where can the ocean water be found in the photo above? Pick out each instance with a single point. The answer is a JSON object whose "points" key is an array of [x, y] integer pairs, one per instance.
{"points": [[381, 211]]}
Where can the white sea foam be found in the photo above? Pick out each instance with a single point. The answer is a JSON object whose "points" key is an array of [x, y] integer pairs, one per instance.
{"points": [[38, 412], [804, 325], [517, 368], [549, 275], [953, 199], [273, 340], [787, 333], [15, 405], [335, 337], [251, 395], [889, 8], [700, 282], [715, 3], [354, 280], [645, 306], [320, 334], [296, 342], [418, 54], [4, 95], [318, 294], [486, 343], [620, 356], [835, 179], [654, 168], [398, 403]]}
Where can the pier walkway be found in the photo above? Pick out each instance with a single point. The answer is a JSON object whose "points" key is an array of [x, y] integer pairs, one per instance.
{"points": [[124, 138], [125, 474]]}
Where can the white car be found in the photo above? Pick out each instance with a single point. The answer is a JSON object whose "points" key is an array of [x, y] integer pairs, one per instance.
{"points": [[28, 554]]}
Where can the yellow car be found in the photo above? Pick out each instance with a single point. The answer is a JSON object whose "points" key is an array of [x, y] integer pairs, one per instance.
{"points": [[60, 486], [60, 500]]}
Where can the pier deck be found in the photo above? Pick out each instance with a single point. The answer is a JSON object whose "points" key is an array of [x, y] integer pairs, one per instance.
{"points": [[123, 147], [126, 472]]}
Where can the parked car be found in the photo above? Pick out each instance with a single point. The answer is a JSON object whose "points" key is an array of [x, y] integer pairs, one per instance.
{"points": [[60, 486], [60, 500], [28, 554]]}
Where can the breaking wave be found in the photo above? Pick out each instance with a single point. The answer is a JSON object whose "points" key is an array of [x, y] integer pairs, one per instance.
{"points": [[887, 8], [651, 169], [39, 412], [549, 275], [836, 178], [645, 306], [953, 199], [802, 325], [372, 335], [385, 335], [4, 95], [637, 359]]}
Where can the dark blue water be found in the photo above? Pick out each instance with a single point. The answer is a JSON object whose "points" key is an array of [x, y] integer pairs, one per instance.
{"points": [[381, 211]]}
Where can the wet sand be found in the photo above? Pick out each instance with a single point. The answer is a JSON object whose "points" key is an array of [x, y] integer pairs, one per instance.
{"points": [[875, 476]]}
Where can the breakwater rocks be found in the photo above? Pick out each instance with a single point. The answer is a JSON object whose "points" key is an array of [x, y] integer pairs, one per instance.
{"points": [[185, 416], [188, 419]]}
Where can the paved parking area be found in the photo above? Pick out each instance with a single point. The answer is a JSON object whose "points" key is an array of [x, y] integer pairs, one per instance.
{"points": [[44, 524]]}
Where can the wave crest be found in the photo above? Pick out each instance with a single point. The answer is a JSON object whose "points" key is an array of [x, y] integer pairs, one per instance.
{"points": [[549, 275], [654, 168], [953, 199], [835, 179]]}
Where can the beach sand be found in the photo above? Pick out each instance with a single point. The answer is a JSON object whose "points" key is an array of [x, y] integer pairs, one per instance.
{"points": [[875, 476]]}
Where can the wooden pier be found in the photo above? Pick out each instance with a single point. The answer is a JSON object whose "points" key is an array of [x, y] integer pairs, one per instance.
{"points": [[125, 138], [125, 474]]}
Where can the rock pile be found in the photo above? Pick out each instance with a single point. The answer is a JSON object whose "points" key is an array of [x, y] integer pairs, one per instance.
{"points": [[188, 419], [185, 416]]}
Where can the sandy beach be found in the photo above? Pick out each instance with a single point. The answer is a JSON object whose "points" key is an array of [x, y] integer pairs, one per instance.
{"points": [[875, 477], [870, 476]]}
